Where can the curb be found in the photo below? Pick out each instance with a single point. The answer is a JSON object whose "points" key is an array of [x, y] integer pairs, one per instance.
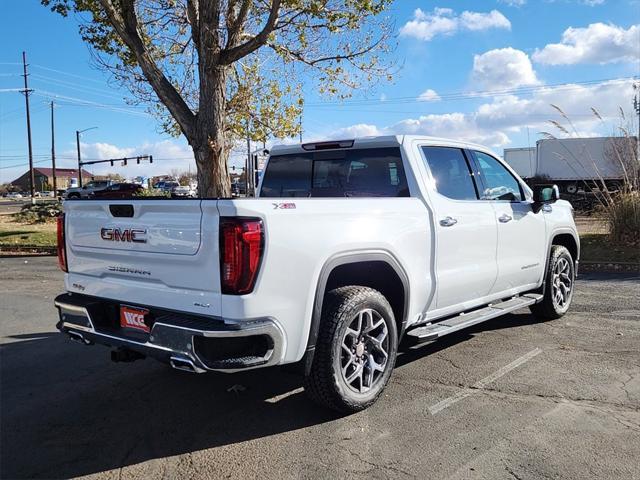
{"points": [[26, 251], [595, 266]]}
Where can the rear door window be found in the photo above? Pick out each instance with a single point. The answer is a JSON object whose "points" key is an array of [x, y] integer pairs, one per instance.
{"points": [[371, 172], [451, 172]]}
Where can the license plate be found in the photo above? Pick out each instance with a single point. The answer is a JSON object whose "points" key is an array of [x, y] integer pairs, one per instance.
{"points": [[133, 318]]}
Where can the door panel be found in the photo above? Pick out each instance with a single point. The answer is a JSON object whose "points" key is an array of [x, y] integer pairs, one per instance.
{"points": [[521, 232], [466, 230]]}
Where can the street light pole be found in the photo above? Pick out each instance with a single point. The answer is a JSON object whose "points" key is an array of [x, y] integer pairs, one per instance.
{"points": [[78, 132]]}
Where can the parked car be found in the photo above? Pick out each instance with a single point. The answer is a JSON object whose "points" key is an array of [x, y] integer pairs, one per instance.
{"points": [[238, 188], [14, 195], [166, 185], [183, 191], [351, 247], [118, 190], [88, 189]]}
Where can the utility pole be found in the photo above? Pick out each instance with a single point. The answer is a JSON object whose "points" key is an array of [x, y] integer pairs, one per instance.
{"points": [[301, 127], [27, 92], [248, 173], [79, 159], [78, 132], [53, 154]]}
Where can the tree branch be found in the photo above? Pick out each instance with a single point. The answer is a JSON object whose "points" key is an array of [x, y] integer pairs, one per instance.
{"points": [[234, 25], [126, 24], [194, 20], [228, 56]]}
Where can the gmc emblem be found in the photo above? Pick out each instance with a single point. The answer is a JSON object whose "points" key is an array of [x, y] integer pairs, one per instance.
{"points": [[127, 235]]}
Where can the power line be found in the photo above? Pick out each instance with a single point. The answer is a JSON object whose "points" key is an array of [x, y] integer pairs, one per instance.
{"points": [[461, 95], [22, 164], [88, 103], [35, 65], [76, 86]]}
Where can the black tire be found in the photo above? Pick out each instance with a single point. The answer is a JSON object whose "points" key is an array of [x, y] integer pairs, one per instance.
{"points": [[550, 308], [326, 383], [74, 195]]}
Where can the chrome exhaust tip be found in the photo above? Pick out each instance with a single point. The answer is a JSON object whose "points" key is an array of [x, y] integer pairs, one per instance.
{"points": [[78, 337], [185, 364]]}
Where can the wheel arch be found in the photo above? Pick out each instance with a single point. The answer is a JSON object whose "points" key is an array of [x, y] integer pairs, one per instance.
{"points": [[567, 238], [377, 269]]}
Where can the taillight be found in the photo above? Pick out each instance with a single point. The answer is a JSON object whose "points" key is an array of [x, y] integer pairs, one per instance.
{"points": [[62, 251], [241, 244]]}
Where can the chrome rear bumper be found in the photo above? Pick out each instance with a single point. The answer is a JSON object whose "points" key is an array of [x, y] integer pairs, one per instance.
{"points": [[173, 338]]}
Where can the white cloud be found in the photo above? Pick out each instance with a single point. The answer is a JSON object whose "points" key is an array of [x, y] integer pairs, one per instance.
{"points": [[429, 95], [598, 43], [493, 122], [358, 130], [484, 21], [444, 21], [513, 3], [503, 68]]}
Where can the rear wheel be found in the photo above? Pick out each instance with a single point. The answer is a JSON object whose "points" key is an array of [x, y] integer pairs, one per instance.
{"points": [[558, 286], [356, 349]]}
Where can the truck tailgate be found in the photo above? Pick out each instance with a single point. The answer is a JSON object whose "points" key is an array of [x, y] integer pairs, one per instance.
{"points": [[145, 251]]}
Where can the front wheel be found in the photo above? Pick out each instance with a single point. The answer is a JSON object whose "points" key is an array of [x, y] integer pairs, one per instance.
{"points": [[356, 349], [558, 285]]}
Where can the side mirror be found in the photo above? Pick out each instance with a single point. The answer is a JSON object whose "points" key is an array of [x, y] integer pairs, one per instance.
{"points": [[543, 195]]}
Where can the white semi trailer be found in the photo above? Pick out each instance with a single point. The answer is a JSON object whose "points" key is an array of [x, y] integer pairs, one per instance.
{"points": [[573, 163]]}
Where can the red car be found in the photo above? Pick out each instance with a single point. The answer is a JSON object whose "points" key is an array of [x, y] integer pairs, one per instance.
{"points": [[118, 190]]}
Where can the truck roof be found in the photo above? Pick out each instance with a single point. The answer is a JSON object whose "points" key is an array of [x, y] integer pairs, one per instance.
{"points": [[374, 141]]}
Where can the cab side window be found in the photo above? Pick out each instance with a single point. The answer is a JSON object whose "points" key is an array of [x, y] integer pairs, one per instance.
{"points": [[498, 182], [451, 172]]}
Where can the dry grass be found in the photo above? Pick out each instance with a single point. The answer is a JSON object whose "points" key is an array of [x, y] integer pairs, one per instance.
{"points": [[19, 234]]}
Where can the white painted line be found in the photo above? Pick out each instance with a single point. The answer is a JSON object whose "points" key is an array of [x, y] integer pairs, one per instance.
{"points": [[447, 402]]}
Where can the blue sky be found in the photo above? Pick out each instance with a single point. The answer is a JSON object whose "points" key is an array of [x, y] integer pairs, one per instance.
{"points": [[526, 50]]}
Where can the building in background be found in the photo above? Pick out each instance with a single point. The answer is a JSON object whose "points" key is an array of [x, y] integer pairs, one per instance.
{"points": [[43, 178]]}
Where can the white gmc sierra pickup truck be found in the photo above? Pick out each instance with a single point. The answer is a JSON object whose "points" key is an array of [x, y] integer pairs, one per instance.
{"points": [[350, 247]]}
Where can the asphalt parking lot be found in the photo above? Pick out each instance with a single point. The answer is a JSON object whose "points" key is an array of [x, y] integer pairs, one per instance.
{"points": [[511, 398]]}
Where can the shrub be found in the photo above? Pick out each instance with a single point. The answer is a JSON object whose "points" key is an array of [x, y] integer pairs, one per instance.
{"points": [[623, 216], [39, 213], [152, 192]]}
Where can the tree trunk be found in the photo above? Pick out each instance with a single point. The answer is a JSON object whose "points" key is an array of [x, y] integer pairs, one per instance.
{"points": [[210, 145], [212, 171]]}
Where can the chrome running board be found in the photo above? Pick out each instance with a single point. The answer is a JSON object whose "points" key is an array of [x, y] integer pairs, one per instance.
{"points": [[433, 331]]}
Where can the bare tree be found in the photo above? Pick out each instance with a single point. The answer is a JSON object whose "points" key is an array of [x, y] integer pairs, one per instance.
{"points": [[222, 69]]}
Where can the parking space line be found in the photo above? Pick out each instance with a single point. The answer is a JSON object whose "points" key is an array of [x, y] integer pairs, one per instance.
{"points": [[447, 402]]}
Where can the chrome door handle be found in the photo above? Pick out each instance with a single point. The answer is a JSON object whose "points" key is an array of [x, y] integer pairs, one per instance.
{"points": [[448, 222], [504, 218]]}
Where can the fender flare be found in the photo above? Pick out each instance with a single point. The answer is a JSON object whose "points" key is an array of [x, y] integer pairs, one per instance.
{"points": [[553, 234], [344, 258]]}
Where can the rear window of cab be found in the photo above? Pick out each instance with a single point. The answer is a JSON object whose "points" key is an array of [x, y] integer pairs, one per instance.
{"points": [[367, 172]]}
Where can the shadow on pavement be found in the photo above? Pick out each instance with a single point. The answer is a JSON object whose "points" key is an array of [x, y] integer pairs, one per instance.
{"points": [[67, 411]]}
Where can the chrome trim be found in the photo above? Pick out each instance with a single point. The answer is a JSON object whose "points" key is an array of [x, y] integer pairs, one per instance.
{"points": [[191, 367], [178, 340]]}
